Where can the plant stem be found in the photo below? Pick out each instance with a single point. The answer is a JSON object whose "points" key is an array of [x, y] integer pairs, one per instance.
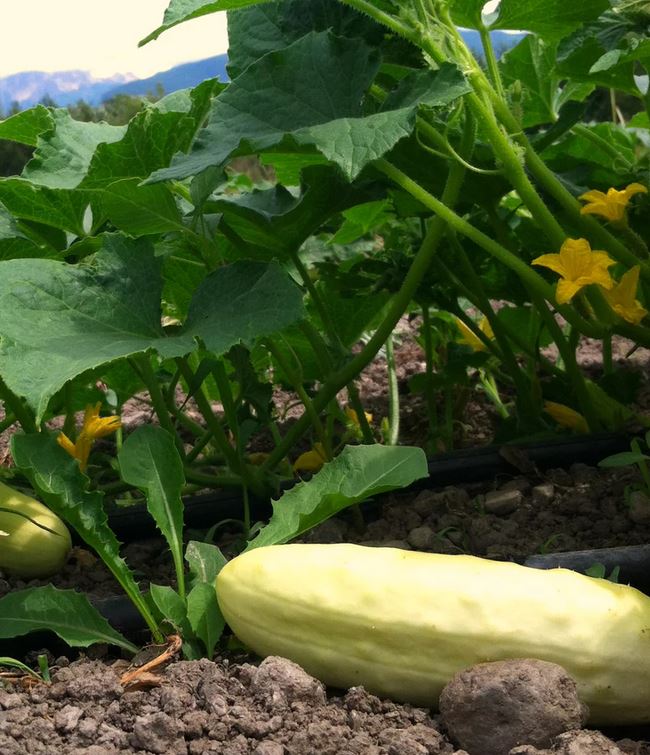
{"points": [[395, 310], [302, 395], [142, 364], [214, 425], [526, 273], [20, 410], [393, 394], [491, 60], [429, 391]]}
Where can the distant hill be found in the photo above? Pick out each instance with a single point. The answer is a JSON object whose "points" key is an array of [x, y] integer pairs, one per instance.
{"points": [[64, 87], [179, 77], [67, 87]]}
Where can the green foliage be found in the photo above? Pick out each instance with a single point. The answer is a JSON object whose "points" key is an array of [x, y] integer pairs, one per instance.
{"points": [[361, 166]]}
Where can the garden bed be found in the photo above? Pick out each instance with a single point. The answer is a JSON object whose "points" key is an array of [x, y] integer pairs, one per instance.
{"points": [[229, 706]]}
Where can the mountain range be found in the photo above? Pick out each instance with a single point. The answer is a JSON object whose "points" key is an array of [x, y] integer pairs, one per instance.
{"points": [[68, 87], [28, 88]]}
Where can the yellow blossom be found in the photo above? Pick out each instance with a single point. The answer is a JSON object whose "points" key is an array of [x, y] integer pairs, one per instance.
{"points": [[469, 338], [354, 417], [311, 461], [611, 205], [622, 299], [565, 416], [93, 427], [578, 265]]}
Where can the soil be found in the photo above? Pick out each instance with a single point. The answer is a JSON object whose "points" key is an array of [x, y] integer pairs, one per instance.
{"points": [[232, 704]]}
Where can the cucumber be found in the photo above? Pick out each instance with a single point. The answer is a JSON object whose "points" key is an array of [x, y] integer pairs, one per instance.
{"points": [[34, 541], [402, 623]]}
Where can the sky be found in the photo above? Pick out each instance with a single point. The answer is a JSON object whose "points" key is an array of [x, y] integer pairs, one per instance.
{"points": [[102, 37]]}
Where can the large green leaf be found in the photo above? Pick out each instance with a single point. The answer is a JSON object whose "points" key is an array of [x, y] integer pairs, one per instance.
{"points": [[606, 51], [356, 474], [141, 210], [152, 137], [58, 321], [25, 127], [13, 241], [179, 11], [60, 208], [63, 154], [276, 221], [149, 461], [552, 19], [467, 12], [530, 67], [276, 98], [65, 612], [260, 29]]}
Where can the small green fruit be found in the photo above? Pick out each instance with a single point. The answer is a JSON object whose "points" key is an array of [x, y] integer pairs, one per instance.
{"points": [[34, 542]]}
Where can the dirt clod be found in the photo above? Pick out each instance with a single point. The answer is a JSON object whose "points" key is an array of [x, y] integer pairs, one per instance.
{"points": [[579, 742], [492, 707]]}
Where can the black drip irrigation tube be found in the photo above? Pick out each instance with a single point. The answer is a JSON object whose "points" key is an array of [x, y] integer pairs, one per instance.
{"points": [[457, 467]]}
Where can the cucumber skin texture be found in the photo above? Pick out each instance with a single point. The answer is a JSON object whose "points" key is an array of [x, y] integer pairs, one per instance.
{"points": [[402, 623], [30, 551]]}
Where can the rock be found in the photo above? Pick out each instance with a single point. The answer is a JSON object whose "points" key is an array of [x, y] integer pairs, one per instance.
{"points": [[67, 718], [491, 708], [502, 502], [639, 511], [421, 538], [543, 494], [157, 732], [280, 682], [269, 747], [519, 483]]}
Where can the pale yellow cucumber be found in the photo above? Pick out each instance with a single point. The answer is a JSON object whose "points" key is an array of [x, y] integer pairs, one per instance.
{"points": [[402, 623], [34, 541]]}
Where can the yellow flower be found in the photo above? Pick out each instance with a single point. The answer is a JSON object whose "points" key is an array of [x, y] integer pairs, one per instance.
{"points": [[578, 266], [622, 299], [93, 427], [311, 461], [565, 416], [469, 338], [354, 417], [611, 205]]}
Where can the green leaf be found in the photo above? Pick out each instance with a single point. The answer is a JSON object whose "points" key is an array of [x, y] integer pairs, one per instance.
{"points": [[360, 220], [356, 474], [624, 459], [65, 612], [205, 561], [260, 29], [467, 12], [152, 137], [25, 127], [150, 461], [552, 19], [78, 318], [63, 155], [55, 475], [59, 208], [172, 607], [606, 51], [141, 210], [204, 615], [531, 63], [275, 98], [594, 164], [179, 11], [275, 222]]}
